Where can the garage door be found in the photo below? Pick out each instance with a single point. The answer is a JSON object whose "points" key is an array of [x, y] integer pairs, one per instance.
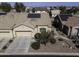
{"points": [[5, 34], [23, 33]]}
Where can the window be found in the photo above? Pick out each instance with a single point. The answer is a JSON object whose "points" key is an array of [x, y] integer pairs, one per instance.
{"points": [[42, 29]]}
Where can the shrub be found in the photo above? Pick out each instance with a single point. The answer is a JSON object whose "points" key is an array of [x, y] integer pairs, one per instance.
{"points": [[44, 38], [37, 36], [35, 45], [10, 41], [5, 47], [52, 40], [60, 39]]}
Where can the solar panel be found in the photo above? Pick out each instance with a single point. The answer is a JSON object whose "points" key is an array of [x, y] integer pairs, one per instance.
{"points": [[34, 15]]}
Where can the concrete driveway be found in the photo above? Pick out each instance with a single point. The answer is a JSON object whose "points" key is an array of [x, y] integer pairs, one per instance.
{"points": [[3, 42], [19, 45]]}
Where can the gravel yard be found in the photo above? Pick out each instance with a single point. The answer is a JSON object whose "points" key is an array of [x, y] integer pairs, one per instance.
{"points": [[23, 46], [58, 47]]}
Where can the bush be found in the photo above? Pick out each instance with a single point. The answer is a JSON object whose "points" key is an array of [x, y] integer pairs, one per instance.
{"points": [[10, 41], [35, 45], [60, 39], [52, 40], [44, 37], [5, 47], [37, 36]]}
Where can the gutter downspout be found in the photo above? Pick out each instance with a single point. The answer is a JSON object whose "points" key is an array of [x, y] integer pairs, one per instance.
{"points": [[12, 30]]}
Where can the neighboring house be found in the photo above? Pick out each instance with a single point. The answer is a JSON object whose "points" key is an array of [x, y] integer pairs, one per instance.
{"points": [[73, 25], [13, 10], [41, 10], [55, 12], [27, 8], [2, 12], [70, 25], [23, 24]]}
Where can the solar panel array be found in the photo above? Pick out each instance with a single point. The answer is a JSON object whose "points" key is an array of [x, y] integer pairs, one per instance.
{"points": [[34, 15]]}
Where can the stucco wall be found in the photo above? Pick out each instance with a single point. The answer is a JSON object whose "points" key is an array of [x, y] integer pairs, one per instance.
{"points": [[74, 31], [23, 28], [55, 11], [6, 33], [37, 29]]}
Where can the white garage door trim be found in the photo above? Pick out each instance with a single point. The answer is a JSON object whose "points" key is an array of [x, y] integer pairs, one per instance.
{"points": [[23, 33]]}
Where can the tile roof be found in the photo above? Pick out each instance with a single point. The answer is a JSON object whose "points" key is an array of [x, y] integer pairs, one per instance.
{"points": [[12, 20], [70, 20]]}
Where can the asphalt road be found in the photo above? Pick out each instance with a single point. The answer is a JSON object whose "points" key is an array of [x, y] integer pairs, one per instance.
{"points": [[19, 45]]}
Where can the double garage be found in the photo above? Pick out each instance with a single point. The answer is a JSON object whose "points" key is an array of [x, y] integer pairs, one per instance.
{"points": [[20, 31], [5, 34], [23, 33]]}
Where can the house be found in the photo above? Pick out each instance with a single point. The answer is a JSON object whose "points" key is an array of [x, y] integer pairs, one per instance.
{"points": [[72, 23], [13, 10], [55, 12], [24, 24], [2, 12], [69, 24], [41, 10]]}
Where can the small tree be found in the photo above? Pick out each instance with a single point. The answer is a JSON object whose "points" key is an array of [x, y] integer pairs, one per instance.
{"points": [[23, 7], [28, 10], [35, 45], [44, 37], [37, 36], [50, 7], [33, 10], [50, 13], [62, 8], [19, 7], [74, 10], [51, 38], [6, 7]]}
